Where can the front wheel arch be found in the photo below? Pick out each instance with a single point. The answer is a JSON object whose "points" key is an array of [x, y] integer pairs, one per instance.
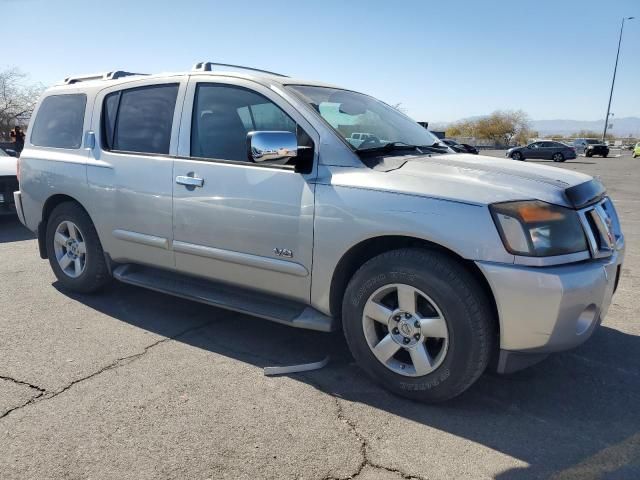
{"points": [[367, 249]]}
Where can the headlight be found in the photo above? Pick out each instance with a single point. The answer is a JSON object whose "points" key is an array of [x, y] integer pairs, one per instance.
{"points": [[538, 229]]}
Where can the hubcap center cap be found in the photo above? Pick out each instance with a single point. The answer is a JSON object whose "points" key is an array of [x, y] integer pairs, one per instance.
{"points": [[405, 329]]}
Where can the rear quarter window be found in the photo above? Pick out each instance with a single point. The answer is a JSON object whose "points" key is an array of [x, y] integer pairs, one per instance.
{"points": [[59, 121]]}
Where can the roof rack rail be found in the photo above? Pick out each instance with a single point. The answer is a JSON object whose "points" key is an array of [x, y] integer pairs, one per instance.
{"points": [[208, 67], [100, 76]]}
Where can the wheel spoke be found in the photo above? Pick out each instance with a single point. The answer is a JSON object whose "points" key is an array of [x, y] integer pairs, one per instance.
{"points": [[421, 359], [434, 327], [65, 261], [386, 349], [407, 298], [73, 233], [377, 312], [82, 248], [60, 239], [77, 266]]}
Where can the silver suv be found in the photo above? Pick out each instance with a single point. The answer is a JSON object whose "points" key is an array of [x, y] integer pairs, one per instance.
{"points": [[242, 190]]}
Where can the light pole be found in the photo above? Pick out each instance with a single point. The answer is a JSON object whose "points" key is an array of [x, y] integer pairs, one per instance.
{"points": [[606, 119]]}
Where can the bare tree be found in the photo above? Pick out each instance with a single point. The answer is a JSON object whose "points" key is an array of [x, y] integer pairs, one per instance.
{"points": [[17, 99]]}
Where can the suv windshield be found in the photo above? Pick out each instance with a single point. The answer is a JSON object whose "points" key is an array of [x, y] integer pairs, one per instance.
{"points": [[364, 122]]}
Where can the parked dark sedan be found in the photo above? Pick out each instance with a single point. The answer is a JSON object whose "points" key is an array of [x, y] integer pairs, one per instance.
{"points": [[460, 147], [547, 150]]}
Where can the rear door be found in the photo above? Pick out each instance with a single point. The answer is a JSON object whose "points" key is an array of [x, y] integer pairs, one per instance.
{"points": [[130, 171], [246, 224]]}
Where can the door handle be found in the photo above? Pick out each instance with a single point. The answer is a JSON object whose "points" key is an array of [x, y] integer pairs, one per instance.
{"points": [[189, 181]]}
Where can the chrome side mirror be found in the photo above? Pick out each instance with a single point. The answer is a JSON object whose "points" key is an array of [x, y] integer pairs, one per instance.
{"points": [[271, 146]]}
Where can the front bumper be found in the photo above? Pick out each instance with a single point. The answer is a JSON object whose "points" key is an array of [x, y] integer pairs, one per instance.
{"points": [[549, 309]]}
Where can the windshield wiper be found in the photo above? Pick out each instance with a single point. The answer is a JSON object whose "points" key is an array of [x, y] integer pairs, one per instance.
{"points": [[400, 146]]}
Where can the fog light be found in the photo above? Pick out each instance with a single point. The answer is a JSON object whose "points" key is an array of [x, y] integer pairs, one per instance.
{"points": [[586, 319]]}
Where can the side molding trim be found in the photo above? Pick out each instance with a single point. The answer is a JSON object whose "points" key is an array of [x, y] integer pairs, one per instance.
{"points": [[247, 259], [141, 238]]}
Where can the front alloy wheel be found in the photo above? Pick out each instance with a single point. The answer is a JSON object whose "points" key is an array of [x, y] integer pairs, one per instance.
{"points": [[405, 330]]}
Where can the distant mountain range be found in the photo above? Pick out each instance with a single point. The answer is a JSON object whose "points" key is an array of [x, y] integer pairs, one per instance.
{"points": [[622, 127]]}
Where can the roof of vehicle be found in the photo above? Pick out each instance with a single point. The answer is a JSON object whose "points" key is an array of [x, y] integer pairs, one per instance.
{"points": [[119, 77]]}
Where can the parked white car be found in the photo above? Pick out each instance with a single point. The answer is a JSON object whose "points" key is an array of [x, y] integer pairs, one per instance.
{"points": [[8, 183]]}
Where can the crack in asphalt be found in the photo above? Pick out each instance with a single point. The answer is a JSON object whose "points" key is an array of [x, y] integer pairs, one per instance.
{"points": [[364, 445], [43, 394]]}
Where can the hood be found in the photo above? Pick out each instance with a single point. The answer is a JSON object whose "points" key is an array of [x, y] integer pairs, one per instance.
{"points": [[8, 166], [480, 179]]}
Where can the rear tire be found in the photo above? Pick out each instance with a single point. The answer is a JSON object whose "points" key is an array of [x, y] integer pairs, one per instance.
{"points": [[517, 156], [74, 249], [558, 157], [452, 316]]}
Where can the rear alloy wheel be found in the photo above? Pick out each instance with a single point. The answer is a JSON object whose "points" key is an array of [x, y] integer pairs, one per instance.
{"points": [[419, 323], [558, 157], [516, 156], [70, 249], [74, 249]]}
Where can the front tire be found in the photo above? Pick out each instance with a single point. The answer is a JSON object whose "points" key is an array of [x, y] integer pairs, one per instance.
{"points": [[74, 249], [517, 156], [419, 324]]}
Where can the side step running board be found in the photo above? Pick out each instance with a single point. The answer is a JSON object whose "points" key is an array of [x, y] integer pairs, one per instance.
{"points": [[225, 296]]}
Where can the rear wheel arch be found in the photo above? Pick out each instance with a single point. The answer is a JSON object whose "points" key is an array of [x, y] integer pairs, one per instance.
{"points": [[367, 249], [51, 203]]}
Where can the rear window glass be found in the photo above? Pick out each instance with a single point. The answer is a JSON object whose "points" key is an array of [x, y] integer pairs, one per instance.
{"points": [[139, 119], [59, 121]]}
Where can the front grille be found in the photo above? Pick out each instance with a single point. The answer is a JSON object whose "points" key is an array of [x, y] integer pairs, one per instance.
{"points": [[602, 227]]}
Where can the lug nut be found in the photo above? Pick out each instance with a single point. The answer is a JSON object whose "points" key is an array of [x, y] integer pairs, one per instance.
{"points": [[416, 324], [396, 331], [406, 340], [407, 315], [397, 318], [417, 336]]}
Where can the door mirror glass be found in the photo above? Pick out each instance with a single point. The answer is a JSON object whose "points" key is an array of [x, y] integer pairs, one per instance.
{"points": [[271, 146]]}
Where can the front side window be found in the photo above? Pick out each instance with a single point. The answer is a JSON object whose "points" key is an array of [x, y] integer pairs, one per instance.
{"points": [[139, 119], [222, 117], [362, 121], [59, 122]]}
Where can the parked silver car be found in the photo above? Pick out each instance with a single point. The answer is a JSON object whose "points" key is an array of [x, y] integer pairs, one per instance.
{"points": [[242, 190]]}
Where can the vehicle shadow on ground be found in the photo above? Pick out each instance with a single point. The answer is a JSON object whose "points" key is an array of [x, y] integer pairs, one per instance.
{"points": [[11, 230], [552, 416]]}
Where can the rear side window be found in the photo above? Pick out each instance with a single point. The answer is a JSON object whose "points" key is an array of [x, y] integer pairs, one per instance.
{"points": [[139, 119], [59, 122]]}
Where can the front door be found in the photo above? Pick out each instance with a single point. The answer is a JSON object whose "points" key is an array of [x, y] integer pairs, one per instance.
{"points": [[236, 221]]}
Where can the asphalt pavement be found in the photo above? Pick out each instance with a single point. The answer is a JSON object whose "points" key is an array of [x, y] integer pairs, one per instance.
{"points": [[133, 384]]}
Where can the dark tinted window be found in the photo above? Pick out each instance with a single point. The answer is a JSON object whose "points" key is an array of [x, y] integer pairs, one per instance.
{"points": [[109, 119], [59, 121], [222, 117], [140, 119]]}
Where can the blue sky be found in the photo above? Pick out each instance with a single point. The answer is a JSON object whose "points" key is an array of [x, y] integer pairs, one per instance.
{"points": [[441, 60]]}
